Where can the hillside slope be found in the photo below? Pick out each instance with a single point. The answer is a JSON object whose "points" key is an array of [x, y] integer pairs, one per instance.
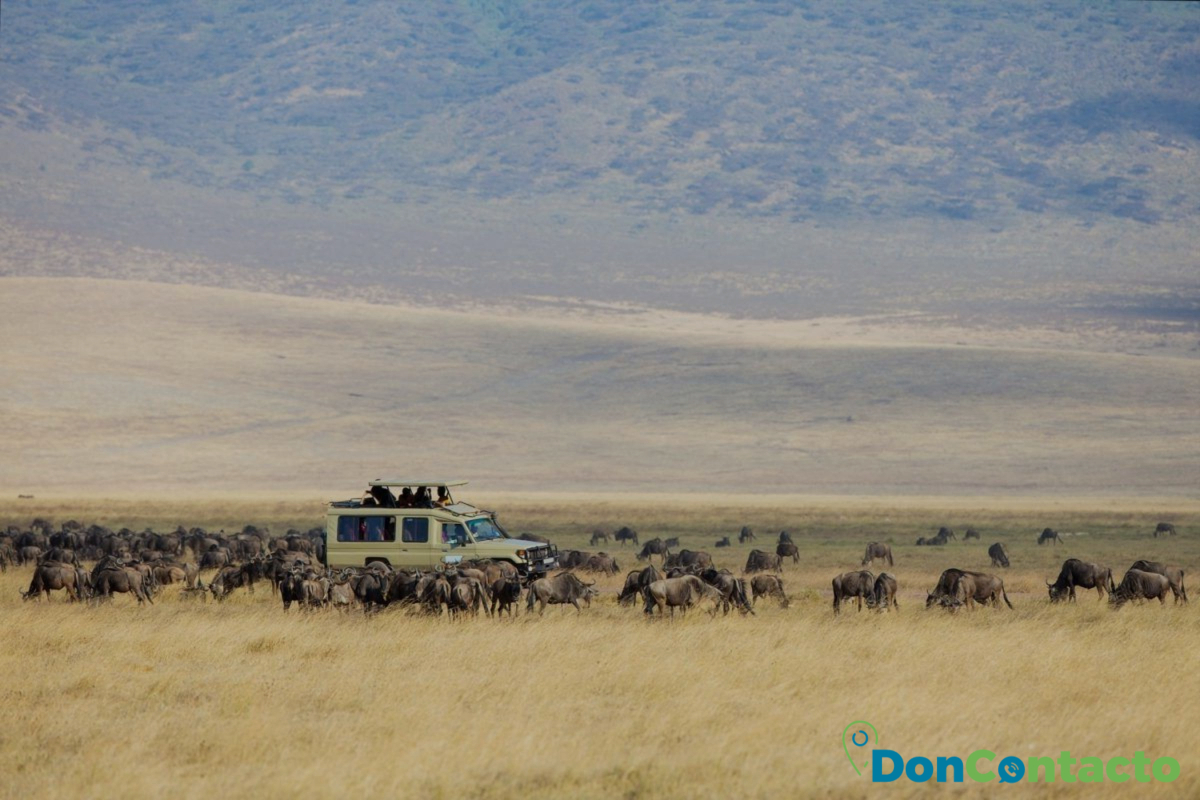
{"points": [[127, 386]]}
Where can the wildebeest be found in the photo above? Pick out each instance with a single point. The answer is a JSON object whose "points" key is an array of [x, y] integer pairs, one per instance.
{"points": [[1049, 535], [598, 536], [1164, 529], [692, 559], [1140, 585], [654, 547], [563, 588], [1174, 576], [51, 576], [758, 561], [878, 550], [732, 589], [746, 535], [998, 555], [569, 559], [626, 534], [784, 536], [506, 592], [601, 562], [682, 593], [852, 584], [943, 535], [978, 587], [637, 580], [1083, 574], [970, 533], [944, 589], [768, 586], [723, 542], [786, 550], [671, 541], [883, 593], [120, 579]]}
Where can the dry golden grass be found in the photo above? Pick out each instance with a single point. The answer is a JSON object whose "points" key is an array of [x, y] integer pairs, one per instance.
{"points": [[241, 699]]}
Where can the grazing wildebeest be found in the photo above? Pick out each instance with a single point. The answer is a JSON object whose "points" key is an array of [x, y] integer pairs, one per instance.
{"points": [[971, 533], [723, 542], [758, 561], [1049, 535], [506, 592], [598, 536], [671, 541], [51, 576], [680, 593], [852, 584], [786, 549], [636, 581], [626, 534], [229, 578], [563, 588], [692, 559], [978, 587], [878, 550], [1174, 576], [998, 555], [166, 574], [601, 562], [1164, 529], [943, 592], [732, 589], [120, 579], [784, 536], [1140, 585], [883, 593], [654, 547], [746, 535], [769, 586], [1083, 574]]}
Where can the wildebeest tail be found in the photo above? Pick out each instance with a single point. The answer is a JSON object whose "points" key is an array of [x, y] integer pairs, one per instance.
{"points": [[1004, 594]]}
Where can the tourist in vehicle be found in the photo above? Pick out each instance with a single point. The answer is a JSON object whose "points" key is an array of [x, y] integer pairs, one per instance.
{"points": [[383, 496], [406, 498], [443, 498]]}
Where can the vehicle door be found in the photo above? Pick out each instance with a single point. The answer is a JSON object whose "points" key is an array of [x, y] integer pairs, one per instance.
{"points": [[455, 541], [418, 545]]}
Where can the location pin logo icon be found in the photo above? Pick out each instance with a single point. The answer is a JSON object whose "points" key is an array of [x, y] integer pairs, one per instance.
{"points": [[855, 738]]}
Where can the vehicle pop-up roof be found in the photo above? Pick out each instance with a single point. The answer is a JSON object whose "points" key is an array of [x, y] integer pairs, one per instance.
{"points": [[398, 485]]}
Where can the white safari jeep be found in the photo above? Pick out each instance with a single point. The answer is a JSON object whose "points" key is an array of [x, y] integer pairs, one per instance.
{"points": [[418, 524]]}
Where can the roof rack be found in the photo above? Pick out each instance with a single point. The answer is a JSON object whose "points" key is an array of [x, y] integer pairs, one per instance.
{"points": [[389, 482]]}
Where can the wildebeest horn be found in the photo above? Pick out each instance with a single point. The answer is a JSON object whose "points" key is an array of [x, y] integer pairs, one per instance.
{"points": [[1048, 583]]}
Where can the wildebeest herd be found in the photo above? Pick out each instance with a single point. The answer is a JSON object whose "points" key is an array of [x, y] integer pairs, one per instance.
{"points": [[140, 564]]}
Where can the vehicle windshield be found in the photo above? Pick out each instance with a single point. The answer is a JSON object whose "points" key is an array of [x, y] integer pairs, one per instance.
{"points": [[484, 529]]}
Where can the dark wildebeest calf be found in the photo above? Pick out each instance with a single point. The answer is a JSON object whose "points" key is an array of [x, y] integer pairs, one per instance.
{"points": [[1083, 574], [852, 584], [637, 580], [1164, 529]]}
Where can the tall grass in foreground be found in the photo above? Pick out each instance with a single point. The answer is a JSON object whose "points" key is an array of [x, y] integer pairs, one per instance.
{"points": [[240, 699]]}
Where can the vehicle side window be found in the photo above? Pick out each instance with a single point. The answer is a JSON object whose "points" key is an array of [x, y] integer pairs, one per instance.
{"points": [[347, 530], [416, 529], [366, 529], [454, 533]]}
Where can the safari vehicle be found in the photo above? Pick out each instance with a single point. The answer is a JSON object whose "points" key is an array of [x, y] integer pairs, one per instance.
{"points": [[421, 525]]}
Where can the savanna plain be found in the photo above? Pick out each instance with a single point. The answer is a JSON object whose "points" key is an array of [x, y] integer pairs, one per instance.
{"points": [[243, 699]]}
